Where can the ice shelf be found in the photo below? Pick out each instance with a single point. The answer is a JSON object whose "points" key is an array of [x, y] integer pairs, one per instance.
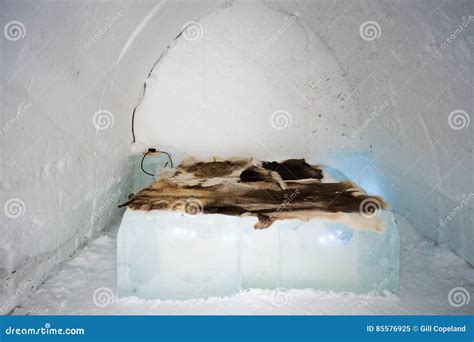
{"points": [[174, 255]]}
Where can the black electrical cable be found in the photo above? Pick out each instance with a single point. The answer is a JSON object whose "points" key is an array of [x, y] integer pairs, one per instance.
{"points": [[133, 124], [169, 157], [144, 86], [152, 150], [143, 95], [135, 110], [141, 165]]}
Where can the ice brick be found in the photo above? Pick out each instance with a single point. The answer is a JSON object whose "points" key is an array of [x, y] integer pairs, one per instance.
{"points": [[330, 256], [318, 255], [171, 255], [259, 260]]}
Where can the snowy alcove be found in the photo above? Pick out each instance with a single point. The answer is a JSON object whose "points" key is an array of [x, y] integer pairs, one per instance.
{"points": [[381, 91]]}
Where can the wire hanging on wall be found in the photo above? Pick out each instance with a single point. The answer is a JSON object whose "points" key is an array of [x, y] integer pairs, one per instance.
{"points": [[144, 85], [152, 150]]}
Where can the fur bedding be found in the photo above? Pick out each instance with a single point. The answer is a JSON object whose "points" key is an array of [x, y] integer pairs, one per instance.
{"points": [[292, 189]]}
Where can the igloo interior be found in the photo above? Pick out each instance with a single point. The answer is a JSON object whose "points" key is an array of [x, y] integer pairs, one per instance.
{"points": [[380, 90]]}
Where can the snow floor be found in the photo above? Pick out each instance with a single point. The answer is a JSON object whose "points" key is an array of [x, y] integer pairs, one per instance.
{"points": [[427, 273]]}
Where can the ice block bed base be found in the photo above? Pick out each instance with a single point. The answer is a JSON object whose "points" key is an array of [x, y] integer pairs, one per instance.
{"points": [[173, 255], [168, 254], [169, 251]]}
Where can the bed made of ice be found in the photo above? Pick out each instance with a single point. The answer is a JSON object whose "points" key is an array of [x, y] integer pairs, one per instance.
{"points": [[433, 280]]}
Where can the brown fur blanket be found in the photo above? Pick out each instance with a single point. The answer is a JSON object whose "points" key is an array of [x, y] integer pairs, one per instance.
{"points": [[268, 190]]}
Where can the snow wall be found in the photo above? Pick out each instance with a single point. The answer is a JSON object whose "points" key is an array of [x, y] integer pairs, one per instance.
{"points": [[380, 90]]}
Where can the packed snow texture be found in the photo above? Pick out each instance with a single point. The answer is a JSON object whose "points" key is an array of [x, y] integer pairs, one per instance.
{"points": [[65, 106], [86, 284], [246, 80]]}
